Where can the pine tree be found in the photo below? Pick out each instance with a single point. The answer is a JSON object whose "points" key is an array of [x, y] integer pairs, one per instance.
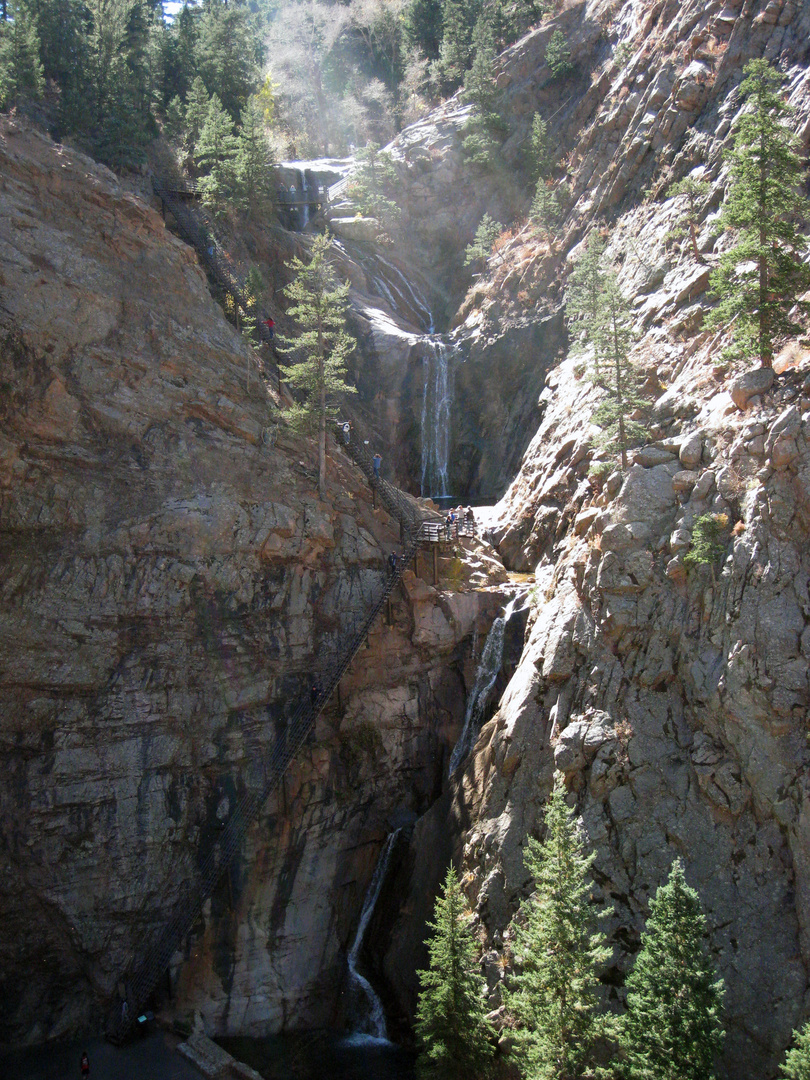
{"points": [[20, 67], [558, 952], [479, 85], [695, 192], [422, 24], [538, 156], [547, 209], [196, 112], [228, 54], [761, 278], [558, 56], [598, 311], [458, 21], [216, 152], [451, 1023], [672, 1028], [373, 182], [485, 236], [797, 1060], [254, 168], [319, 311]]}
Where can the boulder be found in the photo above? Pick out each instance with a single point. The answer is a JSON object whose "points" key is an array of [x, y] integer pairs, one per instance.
{"points": [[691, 450], [684, 480], [650, 456], [750, 384]]}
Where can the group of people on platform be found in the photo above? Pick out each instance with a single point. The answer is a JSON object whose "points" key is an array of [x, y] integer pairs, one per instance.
{"points": [[458, 517]]}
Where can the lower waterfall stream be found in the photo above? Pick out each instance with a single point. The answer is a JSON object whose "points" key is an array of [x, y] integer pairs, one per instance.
{"points": [[485, 676], [366, 1014], [437, 400]]}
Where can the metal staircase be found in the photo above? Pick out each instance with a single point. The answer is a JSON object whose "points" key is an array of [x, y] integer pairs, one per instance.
{"points": [[194, 233], [150, 966]]}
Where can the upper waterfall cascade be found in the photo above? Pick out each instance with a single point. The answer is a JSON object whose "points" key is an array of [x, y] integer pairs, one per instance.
{"points": [[437, 401]]}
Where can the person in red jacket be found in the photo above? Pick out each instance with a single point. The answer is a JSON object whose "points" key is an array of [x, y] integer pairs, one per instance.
{"points": [[84, 1065], [271, 327]]}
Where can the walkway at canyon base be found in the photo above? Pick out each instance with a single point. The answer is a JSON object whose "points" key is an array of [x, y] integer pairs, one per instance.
{"points": [[151, 1057]]}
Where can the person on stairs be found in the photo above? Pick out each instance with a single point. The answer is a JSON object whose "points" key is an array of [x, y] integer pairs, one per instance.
{"points": [[393, 562], [376, 461], [270, 325], [84, 1065]]}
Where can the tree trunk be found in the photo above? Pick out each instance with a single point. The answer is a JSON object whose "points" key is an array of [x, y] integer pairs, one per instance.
{"points": [[321, 416], [765, 348], [693, 237]]}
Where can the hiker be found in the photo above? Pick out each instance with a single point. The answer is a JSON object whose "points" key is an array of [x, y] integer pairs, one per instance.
{"points": [[271, 326], [376, 461], [314, 691], [347, 432], [450, 521], [84, 1064], [393, 560], [469, 520]]}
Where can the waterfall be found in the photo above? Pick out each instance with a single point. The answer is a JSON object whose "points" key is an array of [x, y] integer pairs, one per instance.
{"points": [[366, 1011], [485, 676], [437, 398]]}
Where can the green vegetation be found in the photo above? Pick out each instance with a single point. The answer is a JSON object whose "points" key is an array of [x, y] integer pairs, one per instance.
{"points": [[373, 184], [759, 281], [20, 67], [695, 192], [558, 56], [454, 1035], [485, 236], [318, 308], [598, 311], [672, 1028], [708, 541], [797, 1059], [559, 953]]}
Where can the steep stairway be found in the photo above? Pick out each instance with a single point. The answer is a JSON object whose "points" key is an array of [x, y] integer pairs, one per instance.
{"points": [[195, 233], [150, 966]]}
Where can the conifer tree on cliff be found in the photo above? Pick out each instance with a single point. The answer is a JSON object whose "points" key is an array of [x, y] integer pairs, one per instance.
{"points": [[760, 279], [451, 1023], [598, 312], [323, 344], [797, 1059], [672, 1028], [559, 953]]}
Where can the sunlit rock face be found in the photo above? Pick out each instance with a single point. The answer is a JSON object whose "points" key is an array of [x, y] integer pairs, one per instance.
{"points": [[170, 585], [673, 700]]}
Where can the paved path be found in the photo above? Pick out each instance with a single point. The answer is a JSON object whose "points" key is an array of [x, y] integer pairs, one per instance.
{"points": [[150, 1057]]}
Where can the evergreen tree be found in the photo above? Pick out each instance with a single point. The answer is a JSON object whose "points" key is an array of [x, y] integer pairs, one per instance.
{"points": [[695, 193], [538, 156], [373, 183], [672, 1028], [451, 1024], [64, 30], [558, 953], [458, 22], [216, 152], [196, 112], [479, 85], [613, 371], [228, 54], [797, 1060], [485, 236], [254, 168], [422, 24], [558, 56], [20, 67], [319, 311], [520, 15], [761, 278], [584, 291], [547, 209]]}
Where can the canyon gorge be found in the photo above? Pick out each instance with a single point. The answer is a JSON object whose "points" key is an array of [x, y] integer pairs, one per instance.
{"points": [[171, 584]]}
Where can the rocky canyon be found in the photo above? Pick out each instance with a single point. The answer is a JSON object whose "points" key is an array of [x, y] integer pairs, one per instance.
{"points": [[171, 584]]}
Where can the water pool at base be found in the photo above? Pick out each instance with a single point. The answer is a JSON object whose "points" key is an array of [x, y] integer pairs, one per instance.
{"points": [[323, 1055]]}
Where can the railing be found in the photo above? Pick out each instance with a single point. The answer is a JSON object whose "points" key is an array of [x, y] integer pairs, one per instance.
{"points": [[147, 970]]}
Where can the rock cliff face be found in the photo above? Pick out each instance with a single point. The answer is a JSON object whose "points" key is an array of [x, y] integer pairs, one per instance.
{"points": [[675, 702], [170, 584]]}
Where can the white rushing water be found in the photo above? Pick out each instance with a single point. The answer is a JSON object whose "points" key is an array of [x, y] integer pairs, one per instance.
{"points": [[437, 399], [366, 1012], [485, 676]]}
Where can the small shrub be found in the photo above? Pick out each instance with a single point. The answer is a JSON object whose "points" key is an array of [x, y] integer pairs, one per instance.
{"points": [[600, 471], [558, 56], [708, 544]]}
